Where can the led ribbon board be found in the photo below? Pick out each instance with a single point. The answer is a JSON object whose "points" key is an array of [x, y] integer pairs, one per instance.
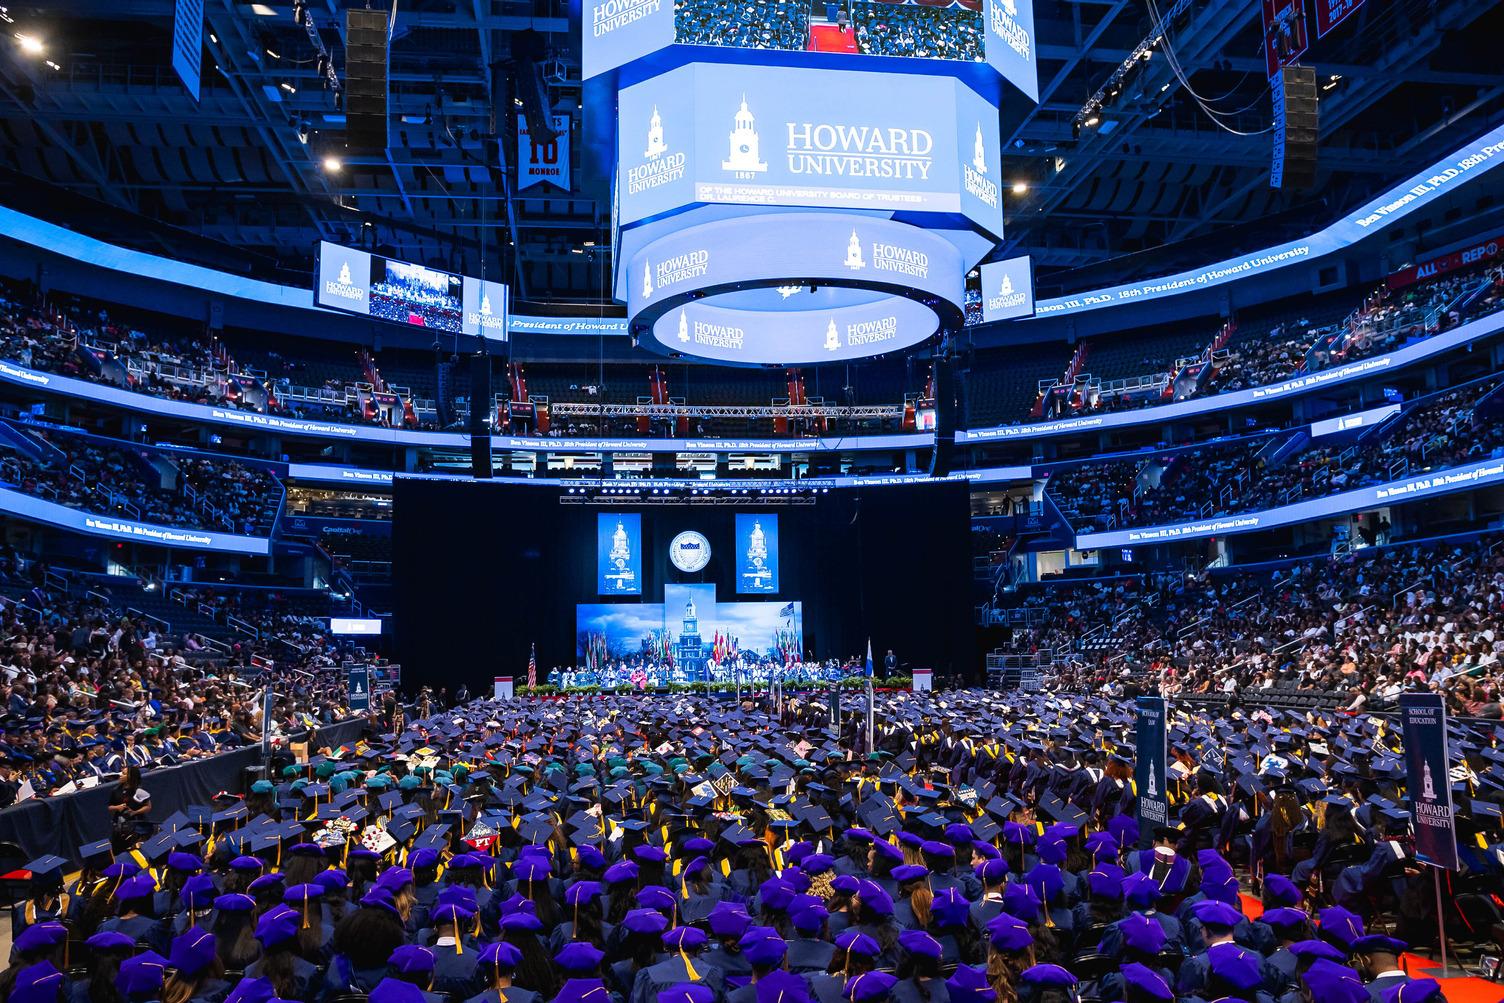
{"points": [[831, 139], [794, 288]]}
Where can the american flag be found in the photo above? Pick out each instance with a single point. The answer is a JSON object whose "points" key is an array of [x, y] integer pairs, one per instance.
{"points": [[532, 666]]}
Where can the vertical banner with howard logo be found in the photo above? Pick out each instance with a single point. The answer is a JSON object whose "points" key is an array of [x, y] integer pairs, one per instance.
{"points": [[1150, 764], [619, 553], [1427, 772], [1007, 289], [538, 162], [359, 684]]}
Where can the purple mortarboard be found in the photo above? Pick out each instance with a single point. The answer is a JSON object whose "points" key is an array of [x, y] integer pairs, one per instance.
{"points": [[192, 952], [137, 886], [1305, 949], [684, 938], [1021, 901], [1339, 926], [857, 942], [684, 992], [1050, 851], [920, 942], [622, 870], [395, 991], [970, 985], [780, 986], [1215, 913], [869, 986], [762, 946], [950, 908], [1104, 885], [1142, 934], [39, 983], [1377, 943], [1009, 933], [40, 937], [655, 897], [594, 991], [277, 926], [579, 956], [1146, 983], [411, 959], [1047, 975], [1330, 982], [1124, 829], [727, 919], [502, 955], [250, 990], [1280, 891], [143, 973], [581, 892], [1140, 890], [1284, 919], [1414, 991], [875, 898], [645, 921], [1234, 966], [111, 940], [992, 871]]}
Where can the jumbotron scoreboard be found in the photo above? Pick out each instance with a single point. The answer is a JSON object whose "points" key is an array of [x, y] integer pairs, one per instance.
{"points": [[788, 197]]}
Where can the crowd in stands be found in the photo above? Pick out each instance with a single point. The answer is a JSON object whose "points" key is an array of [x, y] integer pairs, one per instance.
{"points": [[1220, 479], [186, 366], [1386, 321], [88, 689], [893, 29], [743, 24], [1365, 626], [117, 478]]}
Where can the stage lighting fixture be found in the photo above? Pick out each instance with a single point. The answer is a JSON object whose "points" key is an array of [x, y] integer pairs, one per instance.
{"points": [[30, 44], [1020, 187], [333, 165]]}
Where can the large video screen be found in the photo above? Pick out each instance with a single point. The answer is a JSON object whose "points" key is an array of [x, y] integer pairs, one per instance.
{"points": [[999, 32], [691, 636], [415, 295], [756, 552], [411, 294], [793, 136], [618, 553]]}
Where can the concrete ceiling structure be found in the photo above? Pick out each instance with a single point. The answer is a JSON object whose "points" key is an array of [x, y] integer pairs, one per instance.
{"points": [[1177, 161]]}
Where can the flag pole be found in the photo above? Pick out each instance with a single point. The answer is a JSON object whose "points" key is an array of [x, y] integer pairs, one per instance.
{"points": [[870, 747]]}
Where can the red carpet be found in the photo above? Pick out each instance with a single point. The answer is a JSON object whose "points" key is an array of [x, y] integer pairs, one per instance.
{"points": [[829, 38], [1456, 989]]}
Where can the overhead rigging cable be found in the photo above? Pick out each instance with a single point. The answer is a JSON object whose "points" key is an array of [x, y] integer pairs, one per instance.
{"points": [[1201, 101]]}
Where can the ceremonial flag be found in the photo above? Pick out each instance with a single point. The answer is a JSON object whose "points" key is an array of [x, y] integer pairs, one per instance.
{"points": [[869, 658], [532, 666]]}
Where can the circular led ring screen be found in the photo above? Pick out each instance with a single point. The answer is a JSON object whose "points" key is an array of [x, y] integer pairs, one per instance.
{"points": [[794, 288]]}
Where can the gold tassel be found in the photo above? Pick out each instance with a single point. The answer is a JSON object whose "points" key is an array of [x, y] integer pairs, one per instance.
{"points": [[689, 969]]}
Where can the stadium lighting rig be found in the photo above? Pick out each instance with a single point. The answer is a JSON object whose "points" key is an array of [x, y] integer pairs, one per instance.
{"points": [[1090, 115]]}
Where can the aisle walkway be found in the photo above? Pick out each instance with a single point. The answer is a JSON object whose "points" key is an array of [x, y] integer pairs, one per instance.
{"points": [[829, 38]]}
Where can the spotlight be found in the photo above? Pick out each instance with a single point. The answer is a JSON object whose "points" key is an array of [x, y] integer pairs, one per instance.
{"points": [[1020, 187], [30, 44], [333, 164]]}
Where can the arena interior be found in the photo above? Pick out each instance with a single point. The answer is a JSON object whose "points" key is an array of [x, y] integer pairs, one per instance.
{"points": [[751, 501]]}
